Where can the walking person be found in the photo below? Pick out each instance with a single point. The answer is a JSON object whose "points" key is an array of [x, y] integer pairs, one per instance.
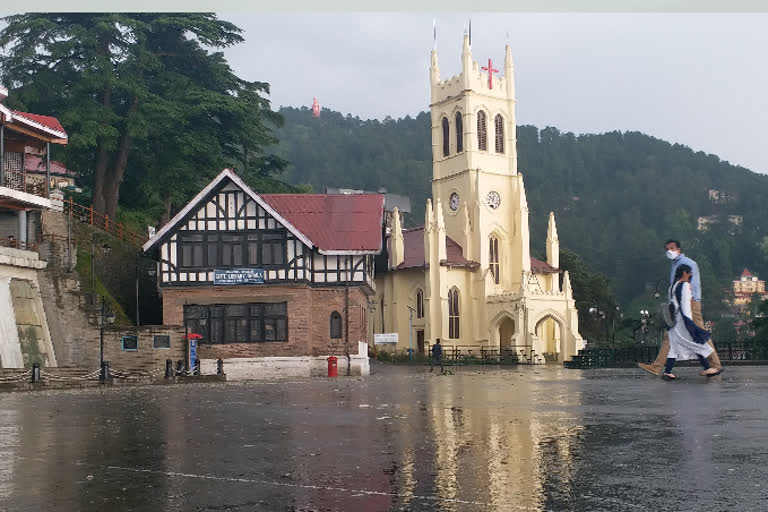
{"points": [[686, 339], [437, 356], [674, 252]]}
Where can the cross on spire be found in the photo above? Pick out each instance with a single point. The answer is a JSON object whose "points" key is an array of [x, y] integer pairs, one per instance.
{"points": [[490, 71]]}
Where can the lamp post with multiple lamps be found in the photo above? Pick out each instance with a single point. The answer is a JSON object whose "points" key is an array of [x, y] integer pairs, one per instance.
{"points": [[107, 315], [599, 315], [645, 322]]}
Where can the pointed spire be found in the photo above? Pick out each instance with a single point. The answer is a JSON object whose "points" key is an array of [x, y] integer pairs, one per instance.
{"points": [[553, 245], [465, 214], [397, 245], [428, 216], [567, 285], [442, 253], [470, 32], [552, 228], [523, 203], [509, 72], [467, 245], [466, 57], [434, 68], [434, 33]]}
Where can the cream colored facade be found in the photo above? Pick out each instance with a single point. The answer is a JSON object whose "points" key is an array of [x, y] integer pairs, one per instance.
{"points": [[478, 196]]}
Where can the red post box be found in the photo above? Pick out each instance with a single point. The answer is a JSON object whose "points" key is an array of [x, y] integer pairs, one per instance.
{"points": [[332, 368]]}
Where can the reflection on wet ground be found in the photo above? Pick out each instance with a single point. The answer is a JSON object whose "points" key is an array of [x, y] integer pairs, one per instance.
{"points": [[521, 439]]}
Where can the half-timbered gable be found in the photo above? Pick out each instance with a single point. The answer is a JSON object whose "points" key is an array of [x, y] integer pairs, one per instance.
{"points": [[229, 227]]}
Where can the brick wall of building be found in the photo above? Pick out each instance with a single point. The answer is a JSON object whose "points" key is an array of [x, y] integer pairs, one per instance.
{"points": [[309, 311], [146, 357]]}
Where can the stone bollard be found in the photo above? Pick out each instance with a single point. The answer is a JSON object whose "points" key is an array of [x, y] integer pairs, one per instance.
{"points": [[168, 368], [219, 367], [35, 373]]}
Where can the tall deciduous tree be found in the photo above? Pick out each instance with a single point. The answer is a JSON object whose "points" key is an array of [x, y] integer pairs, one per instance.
{"points": [[143, 97]]}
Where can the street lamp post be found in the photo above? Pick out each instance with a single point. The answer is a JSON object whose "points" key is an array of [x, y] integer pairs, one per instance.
{"points": [[644, 321], [619, 314], [108, 315], [105, 247], [410, 326], [598, 314]]}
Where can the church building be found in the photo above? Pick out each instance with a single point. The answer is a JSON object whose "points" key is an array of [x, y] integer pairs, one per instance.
{"points": [[467, 276]]}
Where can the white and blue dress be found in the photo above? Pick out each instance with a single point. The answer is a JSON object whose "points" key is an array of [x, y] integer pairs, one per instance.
{"points": [[686, 339]]}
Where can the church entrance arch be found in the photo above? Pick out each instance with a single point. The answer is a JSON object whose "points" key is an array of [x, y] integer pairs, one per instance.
{"points": [[549, 332], [506, 333]]}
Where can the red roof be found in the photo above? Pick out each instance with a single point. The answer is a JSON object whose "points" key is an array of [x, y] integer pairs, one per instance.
{"points": [[542, 267], [746, 273], [47, 121], [334, 222], [37, 164], [413, 240]]}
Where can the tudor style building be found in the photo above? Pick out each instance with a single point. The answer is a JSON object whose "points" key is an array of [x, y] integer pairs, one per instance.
{"points": [[270, 275]]}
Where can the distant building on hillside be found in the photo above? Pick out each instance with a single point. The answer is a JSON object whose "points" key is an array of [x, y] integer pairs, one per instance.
{"points": [[721, 197], [746, 286], [735, 222]]}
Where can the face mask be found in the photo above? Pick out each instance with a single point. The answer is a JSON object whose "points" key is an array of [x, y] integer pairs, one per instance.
{"points": [[672, 254]]}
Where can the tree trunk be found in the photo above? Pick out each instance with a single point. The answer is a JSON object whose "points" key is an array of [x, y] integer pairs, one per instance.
{"points": [[99, 175], [166, 217], [112, 186]]}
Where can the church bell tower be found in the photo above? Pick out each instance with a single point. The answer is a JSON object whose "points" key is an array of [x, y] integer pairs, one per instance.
{"points": [[474, 165]]}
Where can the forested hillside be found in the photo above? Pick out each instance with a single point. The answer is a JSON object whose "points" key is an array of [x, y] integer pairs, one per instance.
{"points": [[617, 196]]}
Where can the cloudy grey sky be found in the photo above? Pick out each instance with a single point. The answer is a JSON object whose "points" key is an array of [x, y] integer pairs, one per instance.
{"points": [[696, 79]]}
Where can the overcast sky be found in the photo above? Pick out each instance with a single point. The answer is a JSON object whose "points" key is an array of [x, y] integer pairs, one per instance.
{"points": [[697, 79]]}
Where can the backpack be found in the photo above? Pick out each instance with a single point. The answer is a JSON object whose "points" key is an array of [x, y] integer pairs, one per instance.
{"points": [[668, 309], [667, 313]]}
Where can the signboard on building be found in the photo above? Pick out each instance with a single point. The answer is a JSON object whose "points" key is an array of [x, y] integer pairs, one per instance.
{"points": [[231, 276], [385, 338]]}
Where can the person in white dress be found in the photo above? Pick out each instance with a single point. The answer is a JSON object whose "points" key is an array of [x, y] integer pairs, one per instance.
{"points": [[686, 339]]}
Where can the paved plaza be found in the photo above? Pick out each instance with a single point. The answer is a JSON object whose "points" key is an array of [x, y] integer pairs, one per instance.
{"points": [[479, 439]]}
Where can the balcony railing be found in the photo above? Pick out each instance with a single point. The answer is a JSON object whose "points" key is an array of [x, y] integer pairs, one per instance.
{"points": [[14, 176], [16, 244]]}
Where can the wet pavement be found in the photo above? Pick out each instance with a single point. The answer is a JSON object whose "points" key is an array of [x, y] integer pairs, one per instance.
{"points": [[480, 439]]}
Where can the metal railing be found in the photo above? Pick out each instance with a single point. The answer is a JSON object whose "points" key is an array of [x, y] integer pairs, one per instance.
{"points": [[16, 244], [626, 357], [88, 215]]}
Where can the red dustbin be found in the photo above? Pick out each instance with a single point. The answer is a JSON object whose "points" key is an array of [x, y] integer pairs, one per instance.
{"points": [[332, 368]]}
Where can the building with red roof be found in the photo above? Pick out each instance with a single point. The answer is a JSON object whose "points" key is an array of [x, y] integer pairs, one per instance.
{"points": [[22, 201], [263, 276], [745, 287]]}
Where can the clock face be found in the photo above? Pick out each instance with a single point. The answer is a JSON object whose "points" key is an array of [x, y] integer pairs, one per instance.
{"points": [[493, 199], [454, 201]]}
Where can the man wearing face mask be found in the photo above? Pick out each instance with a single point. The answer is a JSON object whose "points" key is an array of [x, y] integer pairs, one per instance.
{"points": [[675, 253]]}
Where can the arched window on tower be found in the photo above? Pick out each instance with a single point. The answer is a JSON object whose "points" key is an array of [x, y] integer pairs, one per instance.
{"points": [[499, 123], [335, 325], [419, 303], [482, 132], [446, 138], [493, 257], [453, 314], [459, 133]]}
